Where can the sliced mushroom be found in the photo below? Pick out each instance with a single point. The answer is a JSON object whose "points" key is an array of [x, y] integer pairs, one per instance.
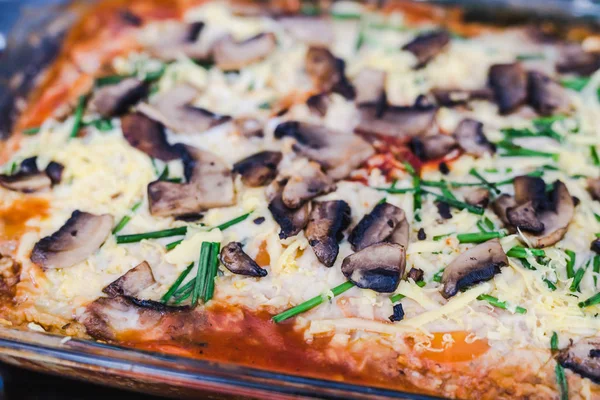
{"points": [[478, 197], [327, 72], [595, 246], [133, 282], [574, 59], [75, 241], [54, 171], [529, 188], [509, 83], [398, 314], [148, 136], [326, 222], [259, 169], [524, 217], [238, 262], [379, 226], [318, 103], [26, 181], [116, 99], [459, 97], [306, 184], [443, 209], [378, 267], [396, 121], [433, 147], [175, 39], [370, 85], [427, 45], [291, 221], [209, 185], [470, 137], [501, 206], [594, 188], [545, 95], [416, 274], [248, 127], [231, 55], [475, 265], [174, 109], [338, 153], [310, 30], [583, 358]]}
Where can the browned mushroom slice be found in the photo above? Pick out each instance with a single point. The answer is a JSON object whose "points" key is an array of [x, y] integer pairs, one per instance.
{"points": [[248, 127], [148, 136], [433, 147], [306, 184], [582, 357], [475, 265], [174, 109], [176, 39], [501, 206], [54, 171], [524, 217], [594, 188], [395, 121], [291, 221], [338, 153], [210, 185], [310, 30], [470, 137], [595, 246], [478, 197], [318, 103], [370, 85], [459, 97], [529, 188], [238, 262], [75, 241], [546, 96], [28, 178], [378, 226], [116, 99], [378, 267], [327, 72], [574, 59], [259, 169], [556, 217], [231, 55], [509, 83], [133, 282], [427, 45], [416, 274], [326, 222]]}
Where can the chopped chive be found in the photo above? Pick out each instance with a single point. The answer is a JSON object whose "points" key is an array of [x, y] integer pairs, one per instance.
{"points": [[31, 131], [155, 75], [596, 268], [360, 39], [530, 56], [201, 273], [345, 16], [174, 244], [78, 115], [265, 106], [513, 150], [527, 265], [213, 266], [595, 299], [417, 198], [177, 283], [421, 283], [488, 222], [110, 80], [234, 221], [13, 168], [446, 192], [479, 237], [312, 303], [577, 280], [438, 275], [138, 237], [382, 201], [554, 342], [456, 203], [570, 263], [437, 238], [156, 171], [550, 284], [576, 84], [165, 174], [522, 252], [594, 154], [397, 297], [489, 185], [561, 381], [391, 190], [184, 292], [500, 304], [597, 234], [126, 218]]}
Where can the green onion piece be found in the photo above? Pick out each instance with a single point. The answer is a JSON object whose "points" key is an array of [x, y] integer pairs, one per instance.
{"points": [[438, 275], [184, 292], [597, 234], [561, 381], [550, 284], [345, 16], [31, 131], [176, 284], [203, 266], [234, 221], [530, 56], [78, 115], [138, 237], [595, 299], [521, 252], [456, 203], [126, 218], [577, 280], [397, 297], [481, 226], [500, 304], [155, 75], [13, 168], [437, 238], [488, 222], [594, 154], [527, 265], [395, 191], [265, 106], [446, 192], [174, 244], [576, 84], [596, 268], [213, 266], [382, 201], [360, 39], [421, 283], [312, 303], [554, 342], [165, 174], [479, 237], [477, 175], [416, 180], [570, 263], [110, 80], [512, 150]]}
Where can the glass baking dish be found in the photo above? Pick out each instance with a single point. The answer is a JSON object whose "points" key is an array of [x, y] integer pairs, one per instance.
{"points": [[151, 372]]}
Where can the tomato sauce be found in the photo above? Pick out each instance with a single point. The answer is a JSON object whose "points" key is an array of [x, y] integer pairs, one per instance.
{"points": [[13, 220]]}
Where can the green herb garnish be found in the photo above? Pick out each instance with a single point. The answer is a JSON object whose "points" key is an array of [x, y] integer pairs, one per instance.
{"points": [[500, 304], [570, 263], [594, 155], [577, 279], [397, 297], [561, 381], [479, 237], [167, 296], [522, 252], [172, 245], [438, 275], [576, 84], [595, 299], [138, 237], [125, 220], [513, 150], [456, 203], [78, 116], [489, 185], [31, 131]]}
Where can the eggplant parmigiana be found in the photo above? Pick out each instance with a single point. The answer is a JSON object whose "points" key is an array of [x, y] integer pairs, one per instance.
{"points": [[390, 197]]}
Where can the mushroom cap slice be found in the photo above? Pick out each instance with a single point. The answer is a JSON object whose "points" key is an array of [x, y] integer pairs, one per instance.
{"points": [[318, 103], [75, 241], [377, 226], [574, 59], [116, 99], [148, 135], [176, 39], [470, 137], [54, 171], [478, 197], [174, 110], [237, 261], [133, 282], [210, 185], [509, 83], [231, 55], [306, 184], [337, 152], [556, 217], [582, 357], [524, 217], [291, 221], [433, 147], [501, 206], [258, 169], [327, 72], [594, 188], [378, 267], [427, 45], [529, 188], [370, 85], [475, 265], [459, 97], [310, 30], [326, 222], [396, 121], [28, 178], [546, 96]]}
